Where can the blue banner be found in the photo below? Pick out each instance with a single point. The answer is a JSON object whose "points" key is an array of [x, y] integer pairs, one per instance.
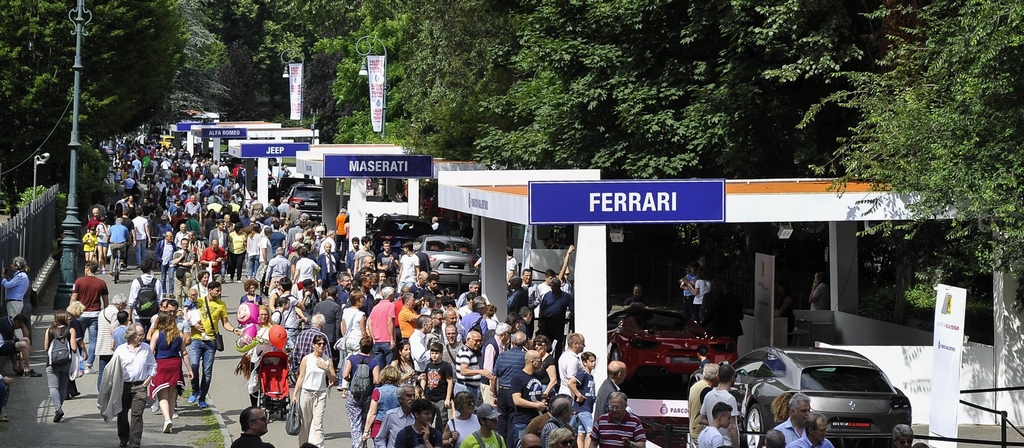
{"points": [[186, 126], [379, 166], [224, 133], [627, 201], [271, 148]]}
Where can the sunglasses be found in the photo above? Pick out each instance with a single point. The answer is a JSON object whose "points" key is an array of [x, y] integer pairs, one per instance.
{"points": [[319, 343]]}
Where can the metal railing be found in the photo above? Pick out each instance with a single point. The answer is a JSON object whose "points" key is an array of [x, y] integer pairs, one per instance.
{"points": [[1004, 421], [31, 233]]}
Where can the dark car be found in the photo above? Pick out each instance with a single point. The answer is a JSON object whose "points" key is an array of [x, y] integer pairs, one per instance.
{"points": [[397, 229], [307, 198], [453, 257], [656, 343], [855, 396]]}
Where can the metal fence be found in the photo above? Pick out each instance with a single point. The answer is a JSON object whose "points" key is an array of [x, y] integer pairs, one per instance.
{"points": [[31, 233]]}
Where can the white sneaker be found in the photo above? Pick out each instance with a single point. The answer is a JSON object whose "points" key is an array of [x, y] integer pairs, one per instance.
{"points": [[174, 415], [156, 408], [167, 426]]}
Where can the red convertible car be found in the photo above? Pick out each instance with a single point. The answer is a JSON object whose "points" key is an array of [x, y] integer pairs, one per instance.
{"points": [[658, 343]]}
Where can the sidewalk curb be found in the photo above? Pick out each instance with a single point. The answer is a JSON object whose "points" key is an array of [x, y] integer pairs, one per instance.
{"points": [[224, 432]]}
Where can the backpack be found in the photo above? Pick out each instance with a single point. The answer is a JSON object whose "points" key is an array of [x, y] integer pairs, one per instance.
{"points": [[310, 301], [361, 385], [146, 301], [480, 440], [60, 349]]}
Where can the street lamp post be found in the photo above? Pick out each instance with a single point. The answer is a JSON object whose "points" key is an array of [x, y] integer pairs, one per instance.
{"points": [[374, 66], [39, 160], [69, 244]]}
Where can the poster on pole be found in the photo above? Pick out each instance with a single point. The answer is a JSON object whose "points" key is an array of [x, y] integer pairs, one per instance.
{"points": [[527, 238], [375, 68], [950, 309], [295, 90], [764, 298]]}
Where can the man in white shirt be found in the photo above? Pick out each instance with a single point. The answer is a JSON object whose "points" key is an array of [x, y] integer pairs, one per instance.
{"points": [[569, 363], [139, 366], [265, 255], [142, 238], [510, 264], [418, 343]]}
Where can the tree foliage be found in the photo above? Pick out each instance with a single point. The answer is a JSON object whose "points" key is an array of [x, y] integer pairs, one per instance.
{"points": [[942, 120]]}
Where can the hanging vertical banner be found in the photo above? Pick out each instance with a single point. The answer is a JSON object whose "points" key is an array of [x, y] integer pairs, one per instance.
{"points": [[950, 309], [295, 90], [527, 236], [764, 298], [376, 71]]}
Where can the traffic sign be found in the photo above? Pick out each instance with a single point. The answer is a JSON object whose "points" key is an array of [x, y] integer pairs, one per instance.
{"points": [[627, 201], [224, 133], [272, 148], [379, 166]]}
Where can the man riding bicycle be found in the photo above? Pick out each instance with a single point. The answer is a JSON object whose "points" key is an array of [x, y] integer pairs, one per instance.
{"points": [[120, 239]]}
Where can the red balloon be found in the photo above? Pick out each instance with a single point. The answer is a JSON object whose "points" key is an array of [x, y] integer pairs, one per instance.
{"points": [[278, 336]]}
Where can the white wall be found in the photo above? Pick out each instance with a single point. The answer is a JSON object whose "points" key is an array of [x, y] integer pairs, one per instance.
{"points": [[856, 330], [909, 368]]}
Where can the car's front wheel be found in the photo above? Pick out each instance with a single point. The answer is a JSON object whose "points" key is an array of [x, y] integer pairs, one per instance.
{"points": [[755, 426]]}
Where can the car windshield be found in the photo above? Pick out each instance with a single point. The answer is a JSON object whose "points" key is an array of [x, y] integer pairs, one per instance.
{"points": [[657, 321], [405, 226], [841, 378], [306, 193]]}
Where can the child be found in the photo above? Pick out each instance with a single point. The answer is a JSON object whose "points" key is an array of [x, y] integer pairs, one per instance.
{"points": [[711, 437], [437, 386], [583, 392], [118, 332], [89, 243]]}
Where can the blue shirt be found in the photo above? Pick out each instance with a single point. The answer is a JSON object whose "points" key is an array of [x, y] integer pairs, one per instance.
{"points": [[118, 335], [508, 363], [689, 278], [16, 286], [787, 429], [804, 442], [118, 234], [554, 307], [585, 384]]}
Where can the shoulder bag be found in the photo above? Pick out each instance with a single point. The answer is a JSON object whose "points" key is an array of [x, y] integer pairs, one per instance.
{"points": [[219, 338]]}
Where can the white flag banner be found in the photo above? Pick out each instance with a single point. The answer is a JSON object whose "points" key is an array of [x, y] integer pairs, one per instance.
{"points": [[948, 339], [295, 90], [527, 238], [375, 67]]}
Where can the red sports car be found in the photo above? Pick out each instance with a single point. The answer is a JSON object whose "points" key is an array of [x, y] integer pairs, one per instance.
{"points": [[656, 343]]}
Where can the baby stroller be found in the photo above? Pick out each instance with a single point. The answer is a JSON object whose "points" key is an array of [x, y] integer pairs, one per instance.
{"points": [[274, 391]]}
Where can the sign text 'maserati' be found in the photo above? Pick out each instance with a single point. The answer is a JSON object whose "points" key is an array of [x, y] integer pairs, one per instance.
{"points": [[379, 166], [627, 201]]}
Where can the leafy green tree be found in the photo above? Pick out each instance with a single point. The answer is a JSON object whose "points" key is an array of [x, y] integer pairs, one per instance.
{"points": [[941, 122]]}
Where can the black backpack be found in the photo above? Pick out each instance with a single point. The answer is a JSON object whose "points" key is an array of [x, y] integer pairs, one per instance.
{"points": [[361, 385], [146, 301], [60, 349]]}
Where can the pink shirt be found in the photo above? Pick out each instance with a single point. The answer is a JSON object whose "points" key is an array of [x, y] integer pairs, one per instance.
{"points": [[379, 321]]}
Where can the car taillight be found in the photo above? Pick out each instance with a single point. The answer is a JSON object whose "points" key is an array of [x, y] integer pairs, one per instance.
{"points": [[643, 343], [899, 403], [295, 200]]}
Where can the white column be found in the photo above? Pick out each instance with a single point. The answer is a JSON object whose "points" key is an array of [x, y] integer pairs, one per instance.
{"points": [[492, 269], [216, 150], [357, 208], [1008, 345], [414, 197], [842, 266], [591, 293], [189, 145], [262, 181], [330, 204]]}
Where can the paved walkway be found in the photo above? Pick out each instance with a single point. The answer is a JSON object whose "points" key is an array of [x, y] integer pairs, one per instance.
{"points": [[31, 414]]}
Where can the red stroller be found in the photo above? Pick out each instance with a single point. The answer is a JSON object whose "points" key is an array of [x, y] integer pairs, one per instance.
{"points": [[274, 391]]}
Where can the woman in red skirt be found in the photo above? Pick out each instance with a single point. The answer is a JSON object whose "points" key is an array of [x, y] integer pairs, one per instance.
{"points": [[170, 348]]}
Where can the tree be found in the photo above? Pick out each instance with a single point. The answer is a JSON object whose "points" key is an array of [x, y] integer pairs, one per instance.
{"points": [[942, 121], [129, 58]]}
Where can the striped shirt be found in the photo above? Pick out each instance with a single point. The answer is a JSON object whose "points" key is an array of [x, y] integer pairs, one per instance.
{"points": [[472, 359], [508, 363], [611, 434]]}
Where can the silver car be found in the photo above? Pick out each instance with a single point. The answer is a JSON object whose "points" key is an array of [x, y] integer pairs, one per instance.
{"points": [[855, 396], [453, 257]]}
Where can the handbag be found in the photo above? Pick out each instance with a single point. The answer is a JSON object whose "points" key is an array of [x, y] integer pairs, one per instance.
{"points": [[293, 422], [219, 338]]}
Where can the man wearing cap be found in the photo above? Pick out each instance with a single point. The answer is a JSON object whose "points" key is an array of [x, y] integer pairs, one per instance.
{"points": [[486, 436], [493, 348]]}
